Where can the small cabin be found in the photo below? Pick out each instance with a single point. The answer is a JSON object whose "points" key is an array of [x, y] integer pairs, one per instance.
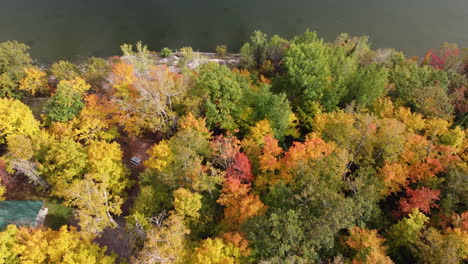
{"points": [[22, 213]]}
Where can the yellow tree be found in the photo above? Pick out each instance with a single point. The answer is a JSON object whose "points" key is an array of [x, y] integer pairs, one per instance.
{"points": [[20, 146], [105, 165], [95, 205], [191, 122], [160, 156], [2, 192], [395, 177], [187, 204], [7, 242], [368, 246], [408, 229], [216, 251], [20, 153], [165, 243], [62, 163], [16, 118], [65, 246], [179, 160], [91, 179], [150, 100], [254, 141], [238, 241], [336, 126], [3, 173], [76, 84], [414, 122], [98, 195], [122, 78], [97, 121], [34, 81]]}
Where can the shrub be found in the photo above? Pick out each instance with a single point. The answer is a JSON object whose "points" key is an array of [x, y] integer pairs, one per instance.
{"points": [[139, 58], [187, 55], [260, 49], [65, 70], [166, 52], [221, 50], [13, 59], [96, 70]]}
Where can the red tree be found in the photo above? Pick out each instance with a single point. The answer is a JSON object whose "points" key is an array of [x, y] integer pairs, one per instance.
{"points": [[241, 168], [448, 57], [424, 199]]}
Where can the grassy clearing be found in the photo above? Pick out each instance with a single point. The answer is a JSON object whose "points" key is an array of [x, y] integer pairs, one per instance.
{"points": [[58, 214]]}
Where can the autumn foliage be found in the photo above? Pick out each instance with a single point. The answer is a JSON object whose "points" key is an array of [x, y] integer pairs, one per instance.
{"points": [[423, 199], [306, 151]]}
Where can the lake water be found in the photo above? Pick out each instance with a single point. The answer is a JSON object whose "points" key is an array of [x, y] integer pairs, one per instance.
{"points": [[74, 29]]}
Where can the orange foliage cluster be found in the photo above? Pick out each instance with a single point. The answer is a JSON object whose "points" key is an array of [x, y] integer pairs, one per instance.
{"points": [[423, 199]]}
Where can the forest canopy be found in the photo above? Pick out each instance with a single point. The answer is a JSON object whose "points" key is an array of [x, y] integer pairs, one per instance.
{"points": [[302, 151]]}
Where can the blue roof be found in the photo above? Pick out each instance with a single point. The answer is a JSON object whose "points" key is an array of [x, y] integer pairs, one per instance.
{"points": [[21, 213]]}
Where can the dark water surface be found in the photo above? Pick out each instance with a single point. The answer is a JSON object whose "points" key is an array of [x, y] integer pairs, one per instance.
{"points": [[74, 29]]}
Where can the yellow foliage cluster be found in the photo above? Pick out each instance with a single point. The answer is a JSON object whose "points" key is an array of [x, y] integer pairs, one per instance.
{"points": [[35, 81], [160, 156], [76, 84], [369, 246], [186, 203], [46, 246], [16, 118]]}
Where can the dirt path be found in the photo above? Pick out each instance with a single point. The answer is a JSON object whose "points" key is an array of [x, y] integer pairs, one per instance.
{"points": [[135, 147], [116, 239]]}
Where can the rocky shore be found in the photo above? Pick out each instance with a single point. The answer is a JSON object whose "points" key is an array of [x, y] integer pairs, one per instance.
{"points": [[178, 59]]}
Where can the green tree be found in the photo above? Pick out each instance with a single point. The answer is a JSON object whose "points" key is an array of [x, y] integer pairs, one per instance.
{"points": [[407, 230], [177, 162], [367, 85], [317, 72], [455, 189], [431, 101], [263, 53], [96, 71], [222, 91], [13, 59], [65, 104], [310, 184], [65, 70], [407, 76], [449, 246], [272, 107], [279, 235], [165, 52]]}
